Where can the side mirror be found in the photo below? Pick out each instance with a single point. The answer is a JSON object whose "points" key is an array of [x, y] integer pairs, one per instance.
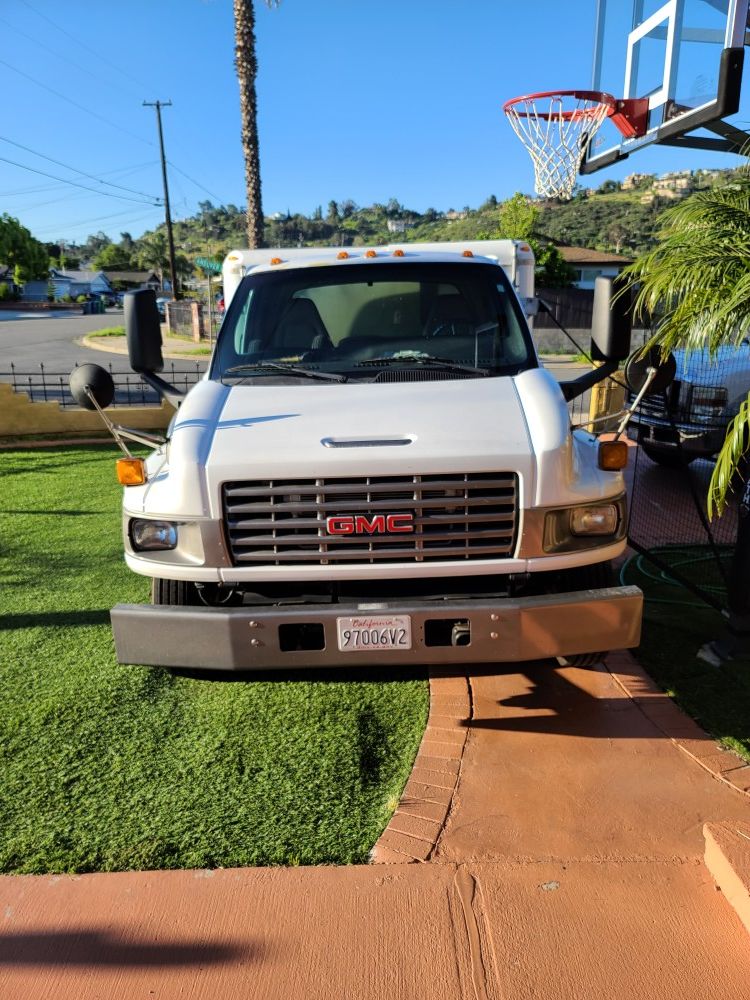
{"points": [[637, 367], [143, 331], [99, 383], [611, 321]]}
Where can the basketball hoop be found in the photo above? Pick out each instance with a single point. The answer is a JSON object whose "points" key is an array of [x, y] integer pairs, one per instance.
{"points": [[557, 127]]}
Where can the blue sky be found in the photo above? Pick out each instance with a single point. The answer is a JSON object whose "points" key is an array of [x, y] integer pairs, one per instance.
{"points": [[361, 99]]}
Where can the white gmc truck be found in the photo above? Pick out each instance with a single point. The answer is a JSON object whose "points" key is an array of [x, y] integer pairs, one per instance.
{"points": [[374, 470]]}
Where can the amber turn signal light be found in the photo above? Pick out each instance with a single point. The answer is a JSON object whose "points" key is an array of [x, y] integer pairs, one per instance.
{"points": [[613, 455], [131, 471], [370, 253], [342, 255], [276, 260]]}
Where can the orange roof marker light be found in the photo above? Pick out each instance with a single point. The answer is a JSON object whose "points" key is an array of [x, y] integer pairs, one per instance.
{"points": [[370, 253], [398, 253], [276, 260], [468, 253], [342, 255]]}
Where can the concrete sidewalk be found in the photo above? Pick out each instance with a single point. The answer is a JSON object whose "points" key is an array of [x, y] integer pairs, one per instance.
{"points": [[568, 865]]}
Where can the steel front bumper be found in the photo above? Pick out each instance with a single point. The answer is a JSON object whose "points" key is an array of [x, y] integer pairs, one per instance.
{"points": [[243, 638]]}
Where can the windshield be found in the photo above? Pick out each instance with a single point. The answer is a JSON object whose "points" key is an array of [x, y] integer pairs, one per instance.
{"points": [[460, 319]]}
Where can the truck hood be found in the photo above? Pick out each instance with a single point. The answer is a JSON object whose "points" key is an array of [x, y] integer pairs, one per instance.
{"points": [[313, 430], [369, 429]]}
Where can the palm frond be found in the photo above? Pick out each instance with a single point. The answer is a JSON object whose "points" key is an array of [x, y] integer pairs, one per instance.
{"points": [[736, 445]]}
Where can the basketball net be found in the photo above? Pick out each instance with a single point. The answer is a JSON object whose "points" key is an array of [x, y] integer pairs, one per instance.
{"points": [[556, 129]]}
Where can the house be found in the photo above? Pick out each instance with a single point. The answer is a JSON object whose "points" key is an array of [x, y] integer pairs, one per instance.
{"points": [[126, 281], [588, 265], [75, 283], [633, 181], [398, 225]]}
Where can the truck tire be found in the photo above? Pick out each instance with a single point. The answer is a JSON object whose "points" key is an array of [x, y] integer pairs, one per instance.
{"points": [[174, 592], [593, 577], [669, 458]]}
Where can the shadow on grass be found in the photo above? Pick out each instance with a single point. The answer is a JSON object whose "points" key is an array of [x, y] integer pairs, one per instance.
{"points": [[47, 619], [339, 675], [97, 949]]}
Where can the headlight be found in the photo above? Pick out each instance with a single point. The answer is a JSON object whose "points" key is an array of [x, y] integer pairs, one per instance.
{"points": [[571, 529], [707, 403], [149, 535], [594, 520]]}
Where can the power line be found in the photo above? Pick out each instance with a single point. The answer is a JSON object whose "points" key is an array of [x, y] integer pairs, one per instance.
{"points": [[83, 173], [104, 194], [83, 45], [192, 181], [75, 104], [59, 55], [84, 222]]}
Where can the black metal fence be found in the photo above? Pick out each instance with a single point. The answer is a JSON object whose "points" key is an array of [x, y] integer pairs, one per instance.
{"points": [[43, 386], [679, 432]]}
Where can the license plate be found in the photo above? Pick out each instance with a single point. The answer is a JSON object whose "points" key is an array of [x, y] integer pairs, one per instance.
{"points": [[374, 632]]}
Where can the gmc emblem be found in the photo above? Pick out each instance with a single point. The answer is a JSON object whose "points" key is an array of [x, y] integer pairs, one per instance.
{"points": [[361, 524]]}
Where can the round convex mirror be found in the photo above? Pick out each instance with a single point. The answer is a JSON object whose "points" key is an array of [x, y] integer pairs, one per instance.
{"points": [[98, 380], [638, 364]]}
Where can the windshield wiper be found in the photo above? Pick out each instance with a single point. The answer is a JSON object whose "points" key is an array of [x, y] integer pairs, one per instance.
{"points": [[298, 370], [428, 360]]}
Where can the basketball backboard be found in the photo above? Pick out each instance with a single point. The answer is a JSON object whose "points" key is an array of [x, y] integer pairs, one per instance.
{"points": [[686, 57]]}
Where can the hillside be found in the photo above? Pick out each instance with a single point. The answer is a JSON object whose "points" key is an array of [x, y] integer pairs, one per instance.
{"points": [[615, 217]]}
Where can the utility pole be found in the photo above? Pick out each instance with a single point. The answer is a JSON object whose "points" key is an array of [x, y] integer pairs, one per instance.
{"points": [[167, 215]]}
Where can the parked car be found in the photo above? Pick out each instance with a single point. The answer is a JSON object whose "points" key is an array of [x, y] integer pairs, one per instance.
{"points": [[689, 420]]}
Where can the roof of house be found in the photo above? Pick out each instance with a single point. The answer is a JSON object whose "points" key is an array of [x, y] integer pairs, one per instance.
{"points": [[80, 277], [583, 256]]}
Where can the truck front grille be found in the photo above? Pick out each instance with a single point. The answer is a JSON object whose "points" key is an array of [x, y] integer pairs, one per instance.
{"points": [[282, 522]]}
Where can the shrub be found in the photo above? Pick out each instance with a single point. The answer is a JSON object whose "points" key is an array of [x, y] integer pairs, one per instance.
{"points": [[66, 298], [81, 298], [5, 292]]}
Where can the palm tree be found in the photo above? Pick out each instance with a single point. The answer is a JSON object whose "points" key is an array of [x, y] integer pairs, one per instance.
{"points": [[697, 280], [246, 64]]}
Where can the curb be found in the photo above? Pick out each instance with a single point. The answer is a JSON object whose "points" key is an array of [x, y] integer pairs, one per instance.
{"points": [[727, 857], [415, 827], [92, 344], [687, 735]]}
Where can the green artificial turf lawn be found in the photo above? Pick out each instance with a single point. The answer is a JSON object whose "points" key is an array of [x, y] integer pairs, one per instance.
{"points": [[675, 626], [107, 768]]}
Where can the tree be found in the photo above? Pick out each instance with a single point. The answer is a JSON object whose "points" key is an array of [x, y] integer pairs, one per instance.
{"points": [[518, 218], [552, 270], [115, 257], [697, 281], [152, 254], [19, 250], [246, 64]]}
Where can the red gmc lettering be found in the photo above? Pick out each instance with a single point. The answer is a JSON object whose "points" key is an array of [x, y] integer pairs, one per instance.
{"points": [[360, 524], [400, 522]]}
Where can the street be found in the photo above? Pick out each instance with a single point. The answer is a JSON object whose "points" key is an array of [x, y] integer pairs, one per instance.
{"points": [[27, 343]]}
